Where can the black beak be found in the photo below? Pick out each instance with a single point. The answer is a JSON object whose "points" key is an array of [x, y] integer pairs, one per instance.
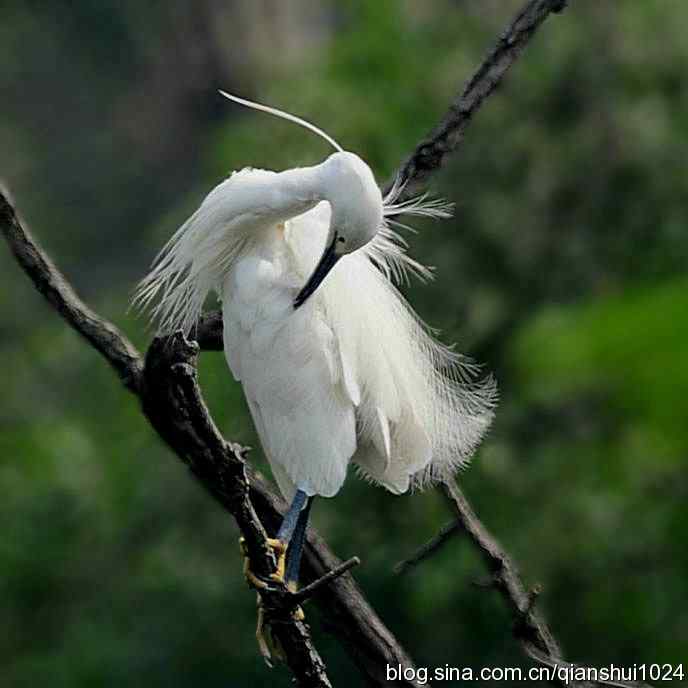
{"points": [[325, 264]]}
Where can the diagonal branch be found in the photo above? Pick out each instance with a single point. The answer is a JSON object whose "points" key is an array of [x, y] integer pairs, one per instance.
{"points": [[119, 352], [429, 548], [530, 626], [431, 152], [172, 402], [304, 594]]}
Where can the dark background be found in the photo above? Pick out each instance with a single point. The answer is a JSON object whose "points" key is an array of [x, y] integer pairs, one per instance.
{"points": [[563, 271]]}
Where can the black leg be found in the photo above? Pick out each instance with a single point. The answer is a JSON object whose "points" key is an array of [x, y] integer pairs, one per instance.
{"points": [[296, 545]]}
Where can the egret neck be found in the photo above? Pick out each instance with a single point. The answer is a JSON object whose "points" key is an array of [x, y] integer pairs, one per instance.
{"points": [[347, 183]]}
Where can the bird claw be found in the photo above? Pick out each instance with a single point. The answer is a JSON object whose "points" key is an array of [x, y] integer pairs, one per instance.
{"points": [[270, 648], [280, 550]]}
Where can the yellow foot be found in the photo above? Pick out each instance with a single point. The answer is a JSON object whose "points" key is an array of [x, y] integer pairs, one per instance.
{"points": [[280, 550], [268, 645]]}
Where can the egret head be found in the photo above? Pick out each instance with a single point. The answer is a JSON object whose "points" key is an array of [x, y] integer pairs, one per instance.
{"points": [[348, 184], [356, 206], [356, 201]]}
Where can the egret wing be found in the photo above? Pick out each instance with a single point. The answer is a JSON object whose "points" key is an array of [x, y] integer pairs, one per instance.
{"points": [[420, 408]]}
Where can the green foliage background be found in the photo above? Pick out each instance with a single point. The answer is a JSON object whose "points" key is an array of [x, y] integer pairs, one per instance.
{"points": [[563, 271]]}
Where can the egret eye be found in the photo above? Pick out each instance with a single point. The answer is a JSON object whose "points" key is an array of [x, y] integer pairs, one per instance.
{"points": [[341, 240]]}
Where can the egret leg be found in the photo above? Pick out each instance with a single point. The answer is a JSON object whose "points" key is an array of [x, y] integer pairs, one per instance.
{"points": [[291, 518], [288, 546], [280, 544], [296, 545]]}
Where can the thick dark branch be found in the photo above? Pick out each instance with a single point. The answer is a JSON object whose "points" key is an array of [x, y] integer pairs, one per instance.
{"points": [[448, 134], [101, 334], [172, 401]]}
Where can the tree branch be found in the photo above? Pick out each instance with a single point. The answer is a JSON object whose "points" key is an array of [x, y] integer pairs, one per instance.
{"points": [[119, 352], [530, 627], [428, 549], [172, 402], [444, 139], [529, 624], [301, 596]]}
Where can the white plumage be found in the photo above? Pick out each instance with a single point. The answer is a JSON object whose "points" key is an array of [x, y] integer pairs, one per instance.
{"points": [[351, 375]]}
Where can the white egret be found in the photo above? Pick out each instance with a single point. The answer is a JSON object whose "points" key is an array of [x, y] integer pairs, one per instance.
{"points": [[336, 367]]}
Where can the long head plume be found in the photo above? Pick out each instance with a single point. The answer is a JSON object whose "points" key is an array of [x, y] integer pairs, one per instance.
{"points": [[283, 115]]}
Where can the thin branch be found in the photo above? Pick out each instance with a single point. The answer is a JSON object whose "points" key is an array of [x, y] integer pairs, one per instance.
{"points": [[428, 549], [444, 139], [529, 626], [312, 588]]}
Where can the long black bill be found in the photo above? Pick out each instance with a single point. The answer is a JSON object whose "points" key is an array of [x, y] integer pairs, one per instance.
{"points": [[326, 263]]}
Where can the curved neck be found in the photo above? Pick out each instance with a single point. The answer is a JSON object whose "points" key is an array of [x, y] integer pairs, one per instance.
{"points": [[293, 192]]}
